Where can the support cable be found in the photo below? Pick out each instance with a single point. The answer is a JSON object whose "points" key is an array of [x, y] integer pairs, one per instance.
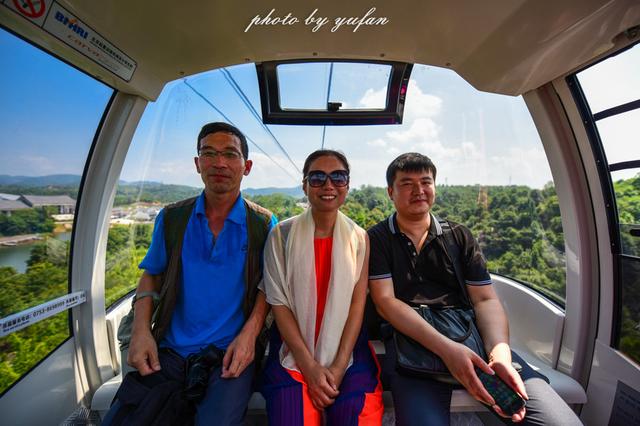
{"points": [[324, 128], [208, 102], [243, 97]]}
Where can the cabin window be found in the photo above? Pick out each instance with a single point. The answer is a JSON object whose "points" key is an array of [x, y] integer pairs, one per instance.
{"points": [[347, 85], [493, 174], [50, 113], [332, 92], [612, 91]]}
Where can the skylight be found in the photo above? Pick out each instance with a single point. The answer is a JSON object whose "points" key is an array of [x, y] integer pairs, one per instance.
{"points": [[333, 92], [333, 86]]}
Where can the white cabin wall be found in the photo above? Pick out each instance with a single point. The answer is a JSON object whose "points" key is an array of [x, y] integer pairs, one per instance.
{"points": [[48, 394]]}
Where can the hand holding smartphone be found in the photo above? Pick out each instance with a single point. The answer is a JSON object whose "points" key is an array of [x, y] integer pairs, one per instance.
{"points": [[509, 401]]}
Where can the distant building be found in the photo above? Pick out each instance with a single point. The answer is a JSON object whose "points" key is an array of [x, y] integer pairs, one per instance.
{"points": [[141, 216], [9, 197], [153, 212], [65, 204], [62, 217], [8, 206], [118, 212]]}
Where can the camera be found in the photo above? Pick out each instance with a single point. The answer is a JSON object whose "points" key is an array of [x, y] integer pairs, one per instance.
{"points": [[198, 368]]}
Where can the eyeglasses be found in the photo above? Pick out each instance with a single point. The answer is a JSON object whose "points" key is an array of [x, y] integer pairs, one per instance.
{"points": [[317, 178], [228, 155]]}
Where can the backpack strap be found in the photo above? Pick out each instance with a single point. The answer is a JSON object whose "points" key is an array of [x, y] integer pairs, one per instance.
{"points": [[453, 251]]}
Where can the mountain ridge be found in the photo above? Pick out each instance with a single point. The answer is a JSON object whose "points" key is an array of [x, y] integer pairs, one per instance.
{"points": [[71, 180]]}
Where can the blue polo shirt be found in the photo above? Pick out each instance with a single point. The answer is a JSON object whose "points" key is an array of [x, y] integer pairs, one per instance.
{"points": [[209, 304]]}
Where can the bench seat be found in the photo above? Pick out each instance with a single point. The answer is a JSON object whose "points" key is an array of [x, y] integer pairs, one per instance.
{"points": [[569, 389], [539, 346]]}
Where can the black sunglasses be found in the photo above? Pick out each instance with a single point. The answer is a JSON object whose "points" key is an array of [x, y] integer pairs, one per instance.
{"points": [[317, 178]]}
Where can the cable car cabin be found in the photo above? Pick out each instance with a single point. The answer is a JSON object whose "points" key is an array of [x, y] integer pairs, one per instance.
{"points": [[530, 111]]}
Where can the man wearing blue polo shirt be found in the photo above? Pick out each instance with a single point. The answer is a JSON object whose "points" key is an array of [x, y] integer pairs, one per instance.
{"points": [[205, 274]]}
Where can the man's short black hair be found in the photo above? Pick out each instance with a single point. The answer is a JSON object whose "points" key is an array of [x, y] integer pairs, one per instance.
{"points": [[324, 153], [219, 126], [410, 162]]}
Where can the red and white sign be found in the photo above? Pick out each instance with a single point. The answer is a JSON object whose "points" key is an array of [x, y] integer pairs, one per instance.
{"points": [[34, 10]]}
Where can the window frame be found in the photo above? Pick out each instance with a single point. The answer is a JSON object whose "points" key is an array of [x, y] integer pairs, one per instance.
{"points": [[87, 162], [273, 113], [604, 169]]}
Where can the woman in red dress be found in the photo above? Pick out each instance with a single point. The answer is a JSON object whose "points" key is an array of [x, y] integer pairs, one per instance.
{"points": [[315, 278]]}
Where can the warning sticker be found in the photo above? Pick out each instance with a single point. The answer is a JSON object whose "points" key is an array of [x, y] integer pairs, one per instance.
{"points": [[65, 26], [60, 23], [30, 316], [34, 10]]}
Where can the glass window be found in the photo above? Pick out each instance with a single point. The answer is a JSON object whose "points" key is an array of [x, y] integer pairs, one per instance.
{"points": [[627, 190], [493, 174], [613, 82], [353, 86], [608, 84], [618, 134], [50, 113]]}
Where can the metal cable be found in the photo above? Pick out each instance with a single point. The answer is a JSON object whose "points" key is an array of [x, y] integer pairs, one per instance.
{"points": [[324, 128], [255, 114], [208, 102]]}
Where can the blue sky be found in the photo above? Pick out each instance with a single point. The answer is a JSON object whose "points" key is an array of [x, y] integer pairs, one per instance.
{"points": [[50, 112]]}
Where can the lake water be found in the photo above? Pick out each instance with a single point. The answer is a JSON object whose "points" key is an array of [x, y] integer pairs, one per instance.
{"points": [[17, 256]]}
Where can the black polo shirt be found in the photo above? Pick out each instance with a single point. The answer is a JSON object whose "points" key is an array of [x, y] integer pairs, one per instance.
{"points": [[428, 277]]}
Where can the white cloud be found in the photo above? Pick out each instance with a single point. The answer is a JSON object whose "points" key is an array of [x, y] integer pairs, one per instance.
{"points": [[180, 171], [420, 104], [468, 161], [421, 130], [393, 151], [437, 151], [176, 171], [469, 164], [265, 173], [421, 113], [367, 171], [374, 98], [520, 165], [377, 143]]}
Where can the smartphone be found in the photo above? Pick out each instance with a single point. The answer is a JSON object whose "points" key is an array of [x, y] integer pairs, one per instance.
{"points": [[506, 398]]}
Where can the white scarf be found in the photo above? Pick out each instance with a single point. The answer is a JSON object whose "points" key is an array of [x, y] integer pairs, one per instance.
{"points": [[290, 280]]}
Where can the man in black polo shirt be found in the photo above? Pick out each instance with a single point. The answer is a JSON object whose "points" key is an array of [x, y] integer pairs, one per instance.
{"points": [[409, 266]]}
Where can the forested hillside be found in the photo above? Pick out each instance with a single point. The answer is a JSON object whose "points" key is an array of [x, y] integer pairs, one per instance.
{"points": [[518, 228]]}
